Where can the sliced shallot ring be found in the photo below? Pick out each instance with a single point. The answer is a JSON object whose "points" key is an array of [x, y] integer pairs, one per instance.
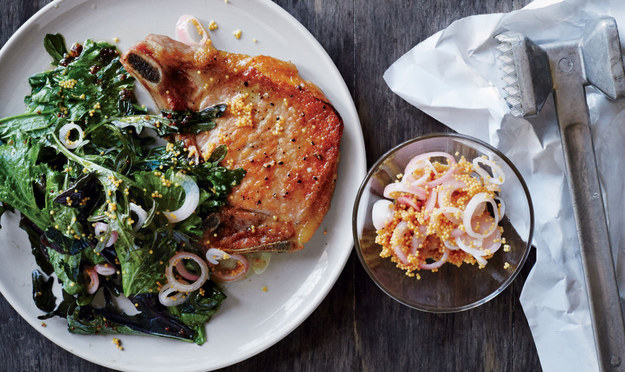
{"points": [[494, 240], [64, 133], [475, 252], [214, 255], [470, 211], [141, 216], [239, 272], [409, 178], [392, 188], [193, 153], [480, 209], [437, 264], [183, 286], [406, 200], [431, 166], [165, 298], [101, 228], [502, 207], [191, 199], [105, 269], [442, 179], [183, 33], [414, 162], [398, 235], [381, 214], [94, 281], [450, 245], [417, 239], [498, 177], [427, 169], [430, 203], [447, 189]]}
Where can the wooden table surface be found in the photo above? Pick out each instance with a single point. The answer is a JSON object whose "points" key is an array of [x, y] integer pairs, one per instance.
{"points": [[357, 327]]}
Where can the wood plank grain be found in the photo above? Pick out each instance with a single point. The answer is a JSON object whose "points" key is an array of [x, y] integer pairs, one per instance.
{"points": [[493, 337]]}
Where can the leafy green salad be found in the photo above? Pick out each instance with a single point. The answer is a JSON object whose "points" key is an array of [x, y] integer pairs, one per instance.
{"points": [[107, 210]]}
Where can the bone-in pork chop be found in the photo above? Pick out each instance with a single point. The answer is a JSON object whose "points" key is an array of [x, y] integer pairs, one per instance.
{"points": [[279, 128]]}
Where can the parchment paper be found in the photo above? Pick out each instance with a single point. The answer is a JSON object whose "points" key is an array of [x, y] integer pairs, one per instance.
{"points": [[452, 76]]}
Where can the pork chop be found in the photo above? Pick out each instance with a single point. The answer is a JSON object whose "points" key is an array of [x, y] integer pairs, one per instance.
{"points": [[279, 128]]}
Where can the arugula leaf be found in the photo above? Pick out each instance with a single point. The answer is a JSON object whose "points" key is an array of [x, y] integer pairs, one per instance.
{"points": [[42, 292], [195, 122], [55, 46], [143, 266], [62, 244], [198, 310], [84, 194], [68, 303], [162, 126], [153, 319], [35, 124], [38, 250], [67, 269], [18, 174]]}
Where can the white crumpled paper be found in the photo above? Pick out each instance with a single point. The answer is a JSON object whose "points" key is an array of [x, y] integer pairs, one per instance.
{"points": [[452, 76]]}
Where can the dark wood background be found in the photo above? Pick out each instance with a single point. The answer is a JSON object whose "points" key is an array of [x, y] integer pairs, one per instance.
{"points": [[357, 327]]}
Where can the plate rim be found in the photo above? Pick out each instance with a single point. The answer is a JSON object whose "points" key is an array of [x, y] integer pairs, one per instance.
{"points": [[361, 164]]}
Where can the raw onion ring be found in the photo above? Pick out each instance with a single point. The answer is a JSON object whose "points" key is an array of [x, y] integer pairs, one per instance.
{"points": [[494, 241], [498, 177], [418, 239], [236, 273], [193, 152], [213, 255], [437, 264], [404, 187], [412, 165], [183, 286], [101, 228], [191, 199], [165, 298], [475, 252], [105, 269], [64, 135], [450, 245], [470, 211], [406, 200], [502, 208], [398, 235], [141, 216], [446, 190], [430, 203], [184, 35], [442, 179], [94, 281], [381, 214]]}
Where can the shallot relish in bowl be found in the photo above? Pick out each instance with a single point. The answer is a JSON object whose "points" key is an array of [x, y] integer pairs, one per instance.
{"points": [[443, 223], [442, 211]]}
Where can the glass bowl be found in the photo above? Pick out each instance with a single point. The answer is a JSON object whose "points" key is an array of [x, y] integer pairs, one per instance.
{"points": [[451, 288]]}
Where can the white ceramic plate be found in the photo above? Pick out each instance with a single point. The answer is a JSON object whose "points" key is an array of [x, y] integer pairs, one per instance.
{"points": [[250, 320]]}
